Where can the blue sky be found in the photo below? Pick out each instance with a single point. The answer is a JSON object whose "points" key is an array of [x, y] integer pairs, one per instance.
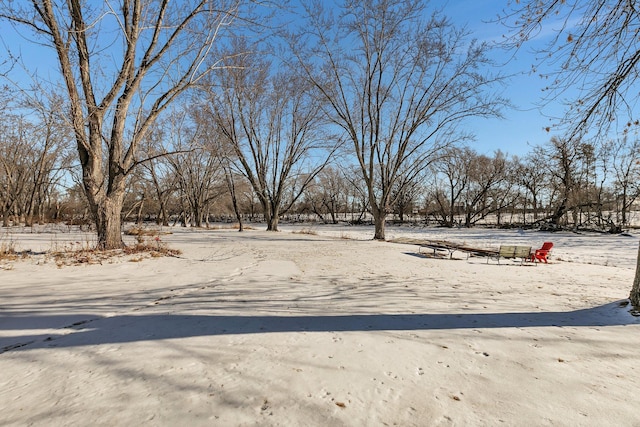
{"points": [[524, 125], [521, 128]]}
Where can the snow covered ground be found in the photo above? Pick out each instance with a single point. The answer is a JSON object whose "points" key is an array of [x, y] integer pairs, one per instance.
{"points": [[320, 325]]}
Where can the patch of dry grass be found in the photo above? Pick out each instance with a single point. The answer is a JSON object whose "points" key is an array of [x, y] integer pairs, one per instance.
{"points": [[306, 231], [148, 245], [235, 226], [141, 231], [155, 247], [136, 253], [8, 249]]}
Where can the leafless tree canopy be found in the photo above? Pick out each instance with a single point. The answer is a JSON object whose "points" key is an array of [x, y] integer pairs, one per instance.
{"points": [[595, 48], [34, 156], [272, 120], [122, 65], [395, 79], [397, 84]]}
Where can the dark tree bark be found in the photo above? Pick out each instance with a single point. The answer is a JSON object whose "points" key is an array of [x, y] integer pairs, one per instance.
{"points": [[115, 97], [634, 296]]}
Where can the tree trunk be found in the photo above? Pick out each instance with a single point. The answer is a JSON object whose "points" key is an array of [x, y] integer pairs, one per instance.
{"points": [[272, 223], [197, 215], [624, 207], [635, 290], [108, 223], [318, 214], [162, 218], [452, 215], [270, 208], [237, 212], [379, 219], [467, 219], [379, 222], [559, 212], [234, 199]]}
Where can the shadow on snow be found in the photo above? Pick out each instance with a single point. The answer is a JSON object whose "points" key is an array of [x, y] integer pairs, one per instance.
{"points": [[135, 328]]}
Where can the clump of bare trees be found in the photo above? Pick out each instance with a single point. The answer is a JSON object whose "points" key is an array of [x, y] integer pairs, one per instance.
{"points": [[34, 158], [296, 123], [596, 49], [121, 67], [397, 82], [270, 121]]}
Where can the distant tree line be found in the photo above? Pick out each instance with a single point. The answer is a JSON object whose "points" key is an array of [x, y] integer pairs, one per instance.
{"points": [[208, 110], [556, 185], [197, 109]]}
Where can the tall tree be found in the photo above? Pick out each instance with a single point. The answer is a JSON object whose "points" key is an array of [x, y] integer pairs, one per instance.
{"points": [[487, 192], [272, 121], [451, 174], [405, 194], [531, 174], [595, 50], [34, 142], [562, 158], [398, 85], [50, 148], [159, 172], [199, 175], [122, 64], [15, 149]]}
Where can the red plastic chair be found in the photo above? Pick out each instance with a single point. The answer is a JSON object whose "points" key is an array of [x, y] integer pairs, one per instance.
{"points": [[541, 254]]}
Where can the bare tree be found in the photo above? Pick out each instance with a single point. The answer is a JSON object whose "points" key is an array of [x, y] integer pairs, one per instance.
{"points": [[626, 165], [398, 85], [327, 195], [563, 164], [159, 172], [49, 151], [231, 179], [122, 66], [74, 208], [225, 151], [485, 175], [14, 167], [357, 197], [451, 174], [596, 50], [197, 166], [200, 181], [272, 120], [33, 147], [137, 196], [405, 193], [532, 175]]}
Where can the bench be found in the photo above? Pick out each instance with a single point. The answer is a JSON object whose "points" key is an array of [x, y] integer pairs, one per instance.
{"points": [[438, 246], [512, 251]]}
